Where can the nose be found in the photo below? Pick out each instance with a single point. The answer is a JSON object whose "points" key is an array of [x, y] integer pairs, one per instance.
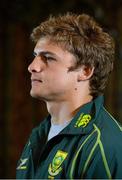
{"points": [[35, 65]]}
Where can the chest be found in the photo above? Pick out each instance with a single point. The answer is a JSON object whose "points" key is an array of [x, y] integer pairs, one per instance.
{"points": [[60, 158]]}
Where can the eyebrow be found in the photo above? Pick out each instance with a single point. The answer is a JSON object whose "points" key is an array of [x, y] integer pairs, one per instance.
{"points": [[44, 53]]}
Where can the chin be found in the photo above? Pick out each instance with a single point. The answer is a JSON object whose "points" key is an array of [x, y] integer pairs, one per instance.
{"points": [[41, 98], [34, 94]]}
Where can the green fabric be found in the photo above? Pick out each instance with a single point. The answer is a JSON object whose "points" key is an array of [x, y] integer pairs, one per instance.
{"points": [[89, 147]]}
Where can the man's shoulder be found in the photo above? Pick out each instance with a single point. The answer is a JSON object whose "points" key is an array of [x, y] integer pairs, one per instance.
{"points": [[110, 123], [109, 130]]}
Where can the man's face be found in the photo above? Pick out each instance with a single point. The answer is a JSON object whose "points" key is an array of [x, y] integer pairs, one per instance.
{"points": [[51, 79]]}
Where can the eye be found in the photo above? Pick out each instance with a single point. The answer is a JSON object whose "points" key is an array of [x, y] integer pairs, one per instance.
{"points": [[44, 56], [47, 58]]}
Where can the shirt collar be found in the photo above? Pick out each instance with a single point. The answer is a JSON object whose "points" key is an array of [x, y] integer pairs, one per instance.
{"points": [[83, 120]]}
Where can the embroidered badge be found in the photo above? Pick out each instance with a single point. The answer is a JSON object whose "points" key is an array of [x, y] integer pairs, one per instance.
{"points": [[55, 166], [83, 120], [22, 164]]}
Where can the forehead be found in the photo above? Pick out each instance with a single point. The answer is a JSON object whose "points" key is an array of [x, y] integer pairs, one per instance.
{"points": [[46, 45]]}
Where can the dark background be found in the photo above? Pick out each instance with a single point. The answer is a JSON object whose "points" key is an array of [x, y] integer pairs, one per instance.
{"points": [[19, 113]]}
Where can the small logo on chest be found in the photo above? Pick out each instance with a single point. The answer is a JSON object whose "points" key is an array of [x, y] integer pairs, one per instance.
{"points": [[55, 166]]}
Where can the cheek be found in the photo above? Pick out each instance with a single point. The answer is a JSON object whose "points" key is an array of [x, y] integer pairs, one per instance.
{"points": [[60, 80]]}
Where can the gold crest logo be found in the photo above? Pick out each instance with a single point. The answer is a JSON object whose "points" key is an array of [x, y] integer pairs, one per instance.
{"points": [[83, 120], [55, 166]]}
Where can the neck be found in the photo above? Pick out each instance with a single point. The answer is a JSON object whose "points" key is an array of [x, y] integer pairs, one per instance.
{"points": [[64, 111]]}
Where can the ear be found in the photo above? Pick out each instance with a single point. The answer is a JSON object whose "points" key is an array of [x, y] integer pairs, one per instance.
{"points": [[85, 73]]}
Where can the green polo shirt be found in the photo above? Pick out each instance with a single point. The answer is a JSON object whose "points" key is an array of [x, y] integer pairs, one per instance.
{"points": [[89, 147]]}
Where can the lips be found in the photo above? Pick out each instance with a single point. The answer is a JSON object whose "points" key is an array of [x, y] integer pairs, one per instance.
{"points": [[35, 80]]}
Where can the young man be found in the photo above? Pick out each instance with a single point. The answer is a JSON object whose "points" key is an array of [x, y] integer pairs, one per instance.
{"points": [[79, 139]]}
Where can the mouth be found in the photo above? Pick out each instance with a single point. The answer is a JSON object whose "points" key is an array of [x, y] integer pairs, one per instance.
{"points": [[36, 80]]}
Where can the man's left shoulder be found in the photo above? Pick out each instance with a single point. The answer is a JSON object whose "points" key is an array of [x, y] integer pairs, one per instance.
{"points": [[110, 122], [110, 129]]}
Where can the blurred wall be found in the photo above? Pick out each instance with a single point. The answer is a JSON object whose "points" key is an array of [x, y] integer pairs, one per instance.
{"points": [[19, 113]]}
